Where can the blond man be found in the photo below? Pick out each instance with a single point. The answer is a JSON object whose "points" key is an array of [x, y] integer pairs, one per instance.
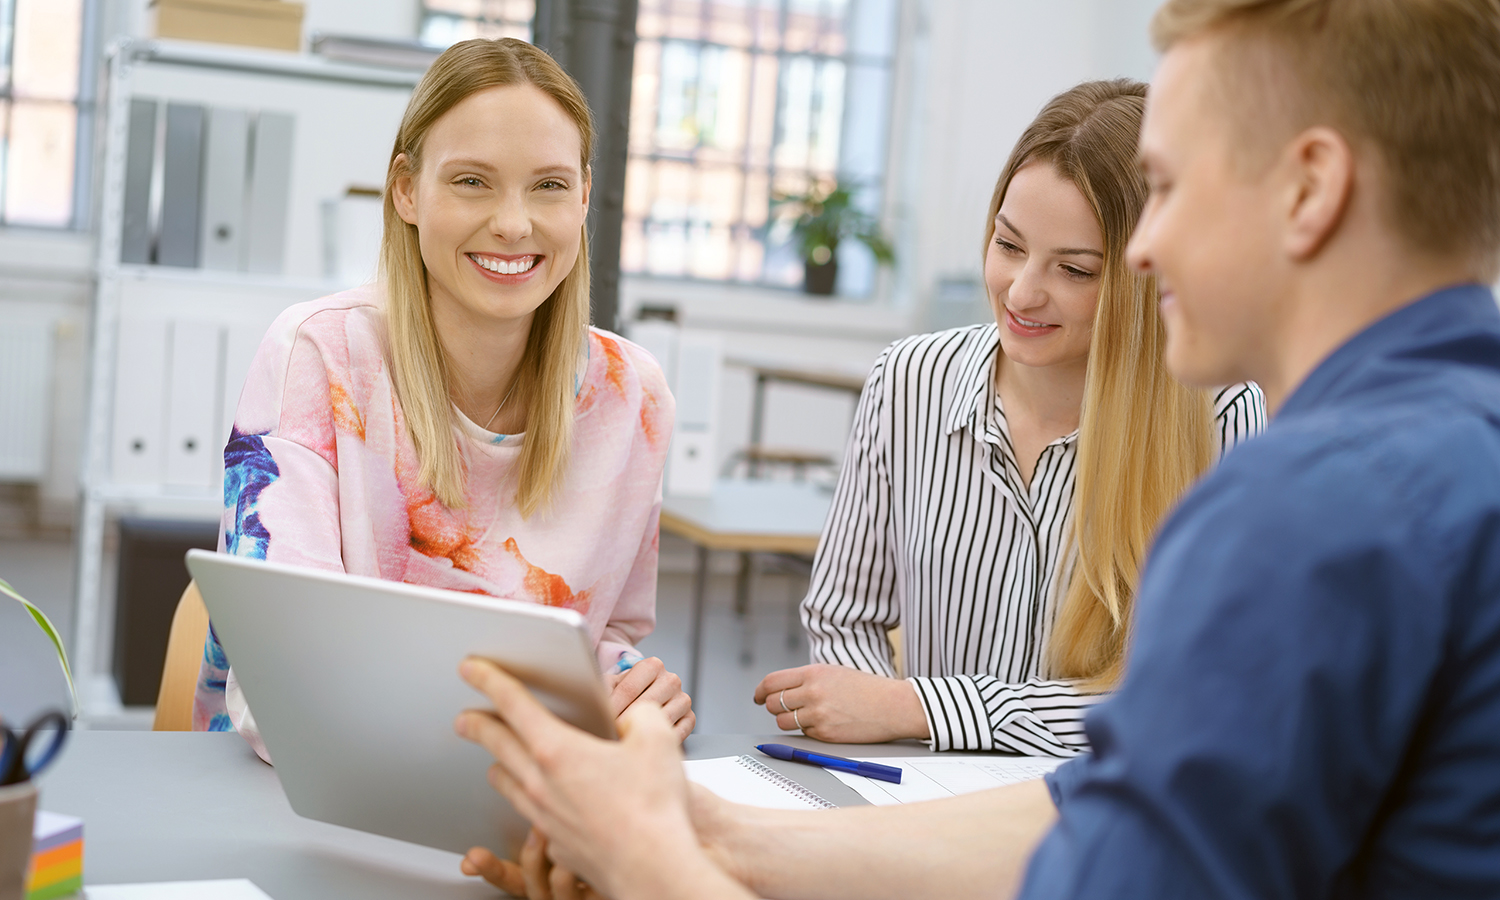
{"points": [[1312, 707]]}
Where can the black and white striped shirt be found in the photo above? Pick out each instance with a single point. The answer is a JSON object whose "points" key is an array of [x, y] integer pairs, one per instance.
{"points": [[933, 529]]}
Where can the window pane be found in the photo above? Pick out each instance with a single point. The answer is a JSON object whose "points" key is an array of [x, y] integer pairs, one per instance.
{"points": [[514, 11], [682, 19], [39, 163], [872, 28], [467, 8], [46, 48], [762, 116], [731, 24], [445, 31], [7, 38], [648, 22], [812, 110], [446, 22]]}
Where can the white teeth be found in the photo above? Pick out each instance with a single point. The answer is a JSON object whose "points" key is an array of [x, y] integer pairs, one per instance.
{"points": [[1028, 323], [506, 267]]}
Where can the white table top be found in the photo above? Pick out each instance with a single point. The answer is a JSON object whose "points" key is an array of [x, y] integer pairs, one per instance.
{"points": [[751, 515], [180, 806]]}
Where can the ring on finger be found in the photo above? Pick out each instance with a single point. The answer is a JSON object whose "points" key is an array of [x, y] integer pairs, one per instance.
{"points": [[784, 707], [795, 719]]}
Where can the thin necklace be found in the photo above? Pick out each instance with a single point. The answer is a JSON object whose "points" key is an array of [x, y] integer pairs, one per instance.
{"points": [[502, 404]]}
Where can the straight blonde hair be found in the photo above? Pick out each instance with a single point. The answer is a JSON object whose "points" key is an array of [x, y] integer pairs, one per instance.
{"points": [[1143, 437], [546, 380]]}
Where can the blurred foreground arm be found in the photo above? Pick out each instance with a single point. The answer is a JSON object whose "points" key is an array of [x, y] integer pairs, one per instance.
{"points": [[618, 814]]}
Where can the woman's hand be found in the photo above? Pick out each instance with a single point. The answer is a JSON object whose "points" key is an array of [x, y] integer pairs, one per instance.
{"points": [[842, 705], [614, 812], [536, 877], [649, 682]]}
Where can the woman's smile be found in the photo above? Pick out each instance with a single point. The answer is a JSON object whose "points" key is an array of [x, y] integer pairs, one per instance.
{"points": [[1027, 327], [504, 269]]}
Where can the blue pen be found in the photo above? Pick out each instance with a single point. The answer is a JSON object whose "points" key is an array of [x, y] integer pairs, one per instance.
{"points": [[853, 766]]}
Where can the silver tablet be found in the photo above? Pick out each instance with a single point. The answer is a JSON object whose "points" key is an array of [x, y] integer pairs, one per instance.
{"points": [[354, 685]]}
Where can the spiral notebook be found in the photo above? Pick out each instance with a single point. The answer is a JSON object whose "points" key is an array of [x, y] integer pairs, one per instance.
{"points": [[747, 780]]}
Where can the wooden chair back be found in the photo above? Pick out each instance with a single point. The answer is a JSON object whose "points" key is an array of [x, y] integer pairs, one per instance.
{"points": [[179, 675]]}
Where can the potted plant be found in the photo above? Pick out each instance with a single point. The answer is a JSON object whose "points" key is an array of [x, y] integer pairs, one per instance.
{"points": [[820, 218], [50, 630]]}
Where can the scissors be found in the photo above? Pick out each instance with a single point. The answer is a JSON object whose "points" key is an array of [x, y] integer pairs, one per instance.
{"points": [[15, 766]]}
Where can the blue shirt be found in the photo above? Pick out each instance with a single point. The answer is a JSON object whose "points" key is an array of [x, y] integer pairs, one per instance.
{"points": [[1312, 707]]}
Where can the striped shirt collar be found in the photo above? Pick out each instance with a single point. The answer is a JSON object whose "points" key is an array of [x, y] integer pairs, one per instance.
{"points": [[976, 404], [973, 393]]}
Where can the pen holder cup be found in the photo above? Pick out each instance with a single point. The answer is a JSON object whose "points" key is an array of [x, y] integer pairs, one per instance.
{"points": [[17, 821]]}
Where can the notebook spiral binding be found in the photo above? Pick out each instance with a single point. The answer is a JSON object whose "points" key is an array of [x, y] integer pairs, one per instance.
{"points": [[783, 782]]}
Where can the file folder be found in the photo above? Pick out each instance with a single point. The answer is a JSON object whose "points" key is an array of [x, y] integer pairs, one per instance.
{"points": [[181, 186], [193, 445], [225, 154], [270, 187], [140, 157], [137, 449]]}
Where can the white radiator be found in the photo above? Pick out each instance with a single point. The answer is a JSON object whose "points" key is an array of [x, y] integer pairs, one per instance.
{"points": [[25, 383]]}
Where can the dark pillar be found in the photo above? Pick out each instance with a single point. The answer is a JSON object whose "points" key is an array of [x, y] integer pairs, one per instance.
{"points": [[595, 41]]}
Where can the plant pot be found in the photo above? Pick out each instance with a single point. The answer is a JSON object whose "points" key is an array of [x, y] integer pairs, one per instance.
{"points": [[820, 278]]}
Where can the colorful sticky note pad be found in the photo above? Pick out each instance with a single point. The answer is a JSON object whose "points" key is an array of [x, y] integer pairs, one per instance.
{"points": [[56, 857]]}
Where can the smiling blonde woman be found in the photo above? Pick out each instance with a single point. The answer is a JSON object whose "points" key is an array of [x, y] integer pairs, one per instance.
{"points": [[458, 424], [1003, 481]]}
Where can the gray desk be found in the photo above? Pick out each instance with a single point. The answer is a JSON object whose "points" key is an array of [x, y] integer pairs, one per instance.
{"points": [[181, 806]]}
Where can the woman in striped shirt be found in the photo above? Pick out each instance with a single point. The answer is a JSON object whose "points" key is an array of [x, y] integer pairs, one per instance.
{"points": [[1003, 481]]}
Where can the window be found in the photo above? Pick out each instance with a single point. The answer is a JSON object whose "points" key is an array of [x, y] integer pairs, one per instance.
{"points": [[734, 101], [446, 22], [43, 119]]}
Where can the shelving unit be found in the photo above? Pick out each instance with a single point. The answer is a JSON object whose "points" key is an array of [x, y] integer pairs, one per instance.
{"points": [[153, 439]]}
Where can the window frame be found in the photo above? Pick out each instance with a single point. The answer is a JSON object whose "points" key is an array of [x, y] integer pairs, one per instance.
{"points": [[85, 105], [882, 182]]}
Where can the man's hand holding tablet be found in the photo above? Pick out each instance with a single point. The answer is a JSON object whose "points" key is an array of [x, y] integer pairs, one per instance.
{"points": [[579, 791]]}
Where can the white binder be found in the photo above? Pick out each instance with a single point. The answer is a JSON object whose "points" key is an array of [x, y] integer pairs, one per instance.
{"points": [[270, 188], [136, 451], [140, 158], [225, 154], [691, 462], [193, 443], [181, 184]]}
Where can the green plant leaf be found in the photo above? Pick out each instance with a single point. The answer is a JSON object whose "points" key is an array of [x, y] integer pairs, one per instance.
{"points": [[50, 630], [825, 214]]}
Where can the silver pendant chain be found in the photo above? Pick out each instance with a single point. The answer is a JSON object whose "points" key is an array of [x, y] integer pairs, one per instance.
{"points": [[502, 404]]}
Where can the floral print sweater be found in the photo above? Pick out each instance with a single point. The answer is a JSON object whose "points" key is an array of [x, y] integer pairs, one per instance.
{"points": [[321, 472]]}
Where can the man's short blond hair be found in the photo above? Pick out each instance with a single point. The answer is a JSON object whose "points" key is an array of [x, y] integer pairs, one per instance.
{"points": [[1416, 81]]}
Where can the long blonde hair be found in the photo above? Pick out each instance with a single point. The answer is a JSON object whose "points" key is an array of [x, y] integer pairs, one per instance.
{"points": [[545, 381], [1143, 438]]}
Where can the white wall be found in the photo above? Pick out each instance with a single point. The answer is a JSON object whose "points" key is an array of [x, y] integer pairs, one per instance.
{"points": [[991, 65]]}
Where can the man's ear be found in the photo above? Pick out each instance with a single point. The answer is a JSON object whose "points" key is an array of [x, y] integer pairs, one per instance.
{"points": [[1320, 166], [402, 196]]}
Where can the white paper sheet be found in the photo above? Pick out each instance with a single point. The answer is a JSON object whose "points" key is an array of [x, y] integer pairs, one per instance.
{"points": [[935, 777], [230, 889], [752, 785]]}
